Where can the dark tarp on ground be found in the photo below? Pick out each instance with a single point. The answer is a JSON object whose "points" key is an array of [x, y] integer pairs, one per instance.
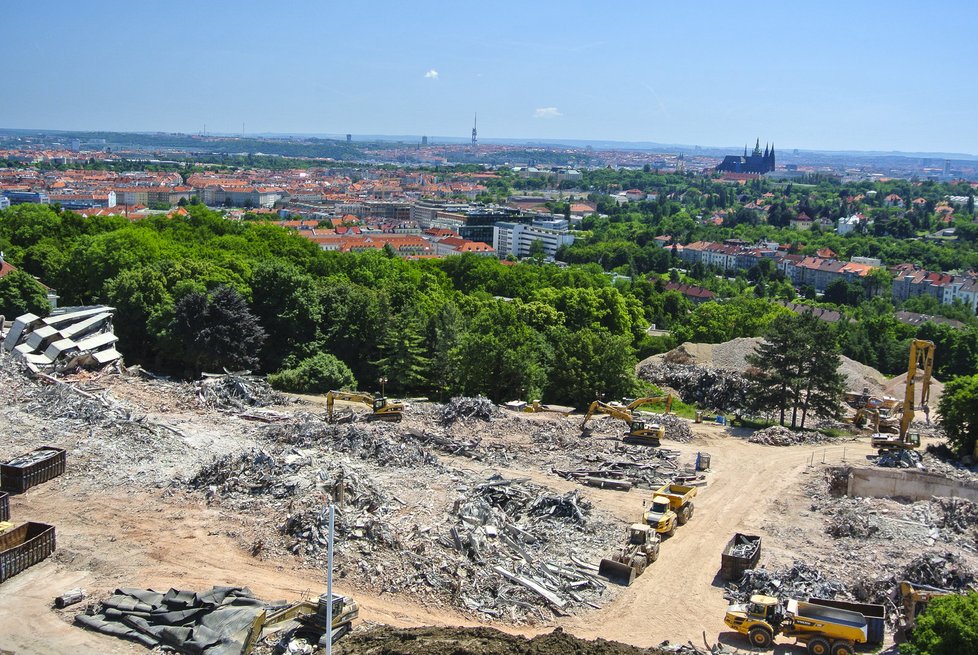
{"points": [[214, 622]]}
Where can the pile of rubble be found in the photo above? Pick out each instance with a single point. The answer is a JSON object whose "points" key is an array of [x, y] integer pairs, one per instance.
{"points": [[677, 429], [959, 515], [628, 469], [69, 339], [777, 435], [461, 408], [237, 392], [508, 549], [715, 388], [850, 518], [800, 580], [383, 444], [942, 570], [903, 459]]}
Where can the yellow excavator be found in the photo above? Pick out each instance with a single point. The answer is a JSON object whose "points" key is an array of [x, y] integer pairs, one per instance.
{"points": [[921, 357], [383, 408], [638, 431]]}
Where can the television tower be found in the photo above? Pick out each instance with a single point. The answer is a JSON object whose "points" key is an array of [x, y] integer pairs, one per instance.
{"points": [[475, 132]]}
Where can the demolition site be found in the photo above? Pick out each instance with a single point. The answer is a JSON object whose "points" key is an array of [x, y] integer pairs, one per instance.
{"points": [[139, 512]]}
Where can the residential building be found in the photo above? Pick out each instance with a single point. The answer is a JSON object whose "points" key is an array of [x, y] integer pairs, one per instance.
{"points": [[693, 293], [509, 238]]}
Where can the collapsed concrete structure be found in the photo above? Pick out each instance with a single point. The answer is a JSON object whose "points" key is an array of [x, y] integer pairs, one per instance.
{"points": [[70, 338]]}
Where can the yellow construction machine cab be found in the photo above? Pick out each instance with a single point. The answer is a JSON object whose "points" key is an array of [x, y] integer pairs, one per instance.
{"points": [[638, 534], [759, 610]]}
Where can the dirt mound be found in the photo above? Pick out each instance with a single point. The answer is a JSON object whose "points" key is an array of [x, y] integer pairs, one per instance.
{"points": [[476, 641], [732, 356], [897, 387]]}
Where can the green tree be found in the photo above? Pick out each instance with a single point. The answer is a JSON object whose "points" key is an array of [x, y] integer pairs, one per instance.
{"points": [[959, 413], [287, 304], [317, 374], [214, 332], [947, 626], [797, 368], [140, 297], [20, 293], [592, 364], [404, 360]]}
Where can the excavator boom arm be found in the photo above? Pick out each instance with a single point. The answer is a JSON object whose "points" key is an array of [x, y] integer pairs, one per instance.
{"points": [[921, 356]]}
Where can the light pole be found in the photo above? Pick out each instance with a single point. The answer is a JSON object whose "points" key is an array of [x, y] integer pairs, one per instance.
{"points": [[383, 382], [329, 586]]}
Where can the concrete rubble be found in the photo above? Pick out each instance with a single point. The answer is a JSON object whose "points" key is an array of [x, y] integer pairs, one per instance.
{"points": [[69, 339], [463, 408], [677, 429], [504, 548], [715, 388], [800, 580], [237, 392], [777, 435]]}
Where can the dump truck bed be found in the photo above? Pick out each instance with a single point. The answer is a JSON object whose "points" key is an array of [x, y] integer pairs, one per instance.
{"points": [[831, 621], [677, 494], [742, 553]]}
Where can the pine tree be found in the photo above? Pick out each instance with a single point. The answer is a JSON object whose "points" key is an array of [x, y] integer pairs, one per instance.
{"points": [[797, 367], [404, 361]]}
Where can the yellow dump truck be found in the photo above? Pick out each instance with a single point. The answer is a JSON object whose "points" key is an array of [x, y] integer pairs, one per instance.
{"points": [[825, 630], [672, 505]]}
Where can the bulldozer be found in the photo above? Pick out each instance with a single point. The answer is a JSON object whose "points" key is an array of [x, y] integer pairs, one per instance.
{"points": [[921, 357], [638, 431], [382, 408], [631, 560]]}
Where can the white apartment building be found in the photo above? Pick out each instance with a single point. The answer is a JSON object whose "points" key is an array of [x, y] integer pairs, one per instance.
{"points": [[517, 238]]}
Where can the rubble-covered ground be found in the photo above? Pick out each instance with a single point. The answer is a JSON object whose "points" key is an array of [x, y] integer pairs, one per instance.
{"points": [[874, 544], [225, 482]]}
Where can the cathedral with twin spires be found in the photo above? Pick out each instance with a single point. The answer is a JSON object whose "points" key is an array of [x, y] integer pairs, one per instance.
{"points": [[757, 162]]}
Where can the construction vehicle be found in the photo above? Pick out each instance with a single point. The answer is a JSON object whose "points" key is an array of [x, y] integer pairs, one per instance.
{"points": [[921, 357], [382, 408], [825, 630], [638, 431], [914, 598], [535, 406], [651, 400], [306, 619], [631, 560], [672, 505]]}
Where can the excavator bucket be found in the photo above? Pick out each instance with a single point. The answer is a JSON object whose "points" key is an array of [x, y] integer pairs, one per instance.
{"points": [[616, 572]]}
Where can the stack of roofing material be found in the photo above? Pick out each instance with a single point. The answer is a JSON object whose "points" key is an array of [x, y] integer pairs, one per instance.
{"points": [[72, 338], [216, 622]]}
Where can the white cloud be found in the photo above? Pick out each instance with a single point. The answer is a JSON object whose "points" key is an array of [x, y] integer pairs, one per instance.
{"points": [[432, 74], [546, 112]]}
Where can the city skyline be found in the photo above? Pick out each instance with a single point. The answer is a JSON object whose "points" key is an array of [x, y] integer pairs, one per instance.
{"points": [[826, 77]]}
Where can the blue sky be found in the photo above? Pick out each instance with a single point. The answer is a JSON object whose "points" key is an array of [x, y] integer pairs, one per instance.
{"points": [[822, 75]]}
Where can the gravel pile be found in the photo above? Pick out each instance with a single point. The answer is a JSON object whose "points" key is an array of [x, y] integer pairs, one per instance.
{"points": [[732, 356]]}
